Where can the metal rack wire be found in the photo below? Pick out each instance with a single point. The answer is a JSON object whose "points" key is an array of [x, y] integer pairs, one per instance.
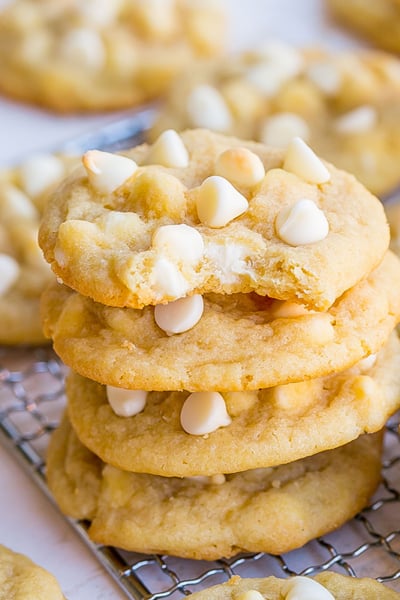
{"points": [[31, 402]]}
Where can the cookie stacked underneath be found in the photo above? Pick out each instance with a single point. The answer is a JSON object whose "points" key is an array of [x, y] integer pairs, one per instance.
{"points": [[228, 313]]}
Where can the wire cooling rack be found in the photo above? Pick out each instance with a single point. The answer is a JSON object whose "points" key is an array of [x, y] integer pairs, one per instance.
{"points": [[31, 402]]}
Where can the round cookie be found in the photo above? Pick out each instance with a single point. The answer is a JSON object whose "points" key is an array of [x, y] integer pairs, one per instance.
{"points": [[101, 55], [108, 236], [379, 22], [21, 579], [241, 342], [266, 510], [346, 105], [23, 271], [341, 587], [267, 427]]}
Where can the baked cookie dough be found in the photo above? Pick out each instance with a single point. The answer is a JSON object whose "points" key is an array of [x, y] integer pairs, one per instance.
{"points": [[23, 271], [266, 510], [241, 341], [379, 22], [239, 217], [265, 428], [102, 54], [345, 105], [21, 579], [334, 587], [393, 215]]}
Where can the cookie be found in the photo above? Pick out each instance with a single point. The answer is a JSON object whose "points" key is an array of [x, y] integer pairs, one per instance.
{"points": [[100, 55], [24, 272], [378, 22], [266, 510], [20, 579], [239, 217], [326, 586], [346, 105], [241, 342], [261, 428]]}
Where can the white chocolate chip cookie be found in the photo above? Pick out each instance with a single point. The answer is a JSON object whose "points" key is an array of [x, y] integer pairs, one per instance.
{"points": [[379, 22], [270, 510], [20, 579], [211, 432], [324, 586], [345, 105], [98, 55], [240, 341], [23, 271], [238, 217]]}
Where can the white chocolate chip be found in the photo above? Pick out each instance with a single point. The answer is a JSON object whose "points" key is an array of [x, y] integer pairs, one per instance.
{"points": [[107, 171], [218, 479], [39, 173], [98, 12], [167, 280], [16, 205], [168, 150], [302, 223], [250, 595], [203, 413], [207, 108], [180, 242], [304, 588], [180, 315], [126, 403], [240, 166], [230, 260], [359, 120], [60, 257], [278, 63], [83, 47], [325, 76], [289, 59], [304, 163], [285, 310], [278, 130], [368, 362], [218, 202], [9, 273], [320, 330]]}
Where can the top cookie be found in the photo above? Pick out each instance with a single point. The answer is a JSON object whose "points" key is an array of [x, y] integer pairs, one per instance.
{"points": [[379, 21], [208, 213], [70, 55], [21, 579], [23, 271], [337, 587], [345, 105]]}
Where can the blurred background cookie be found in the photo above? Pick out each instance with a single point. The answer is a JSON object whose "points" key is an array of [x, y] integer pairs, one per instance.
{"points": [[346, 105], [377, 20], [24, 273], [102, 55], [20, 579]]}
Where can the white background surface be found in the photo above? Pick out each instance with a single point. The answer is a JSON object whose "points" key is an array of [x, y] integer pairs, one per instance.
{"points": [[28, 522]]}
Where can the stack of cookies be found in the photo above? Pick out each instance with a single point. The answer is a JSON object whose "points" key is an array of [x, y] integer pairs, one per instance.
{"points": [[228, 313]]}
